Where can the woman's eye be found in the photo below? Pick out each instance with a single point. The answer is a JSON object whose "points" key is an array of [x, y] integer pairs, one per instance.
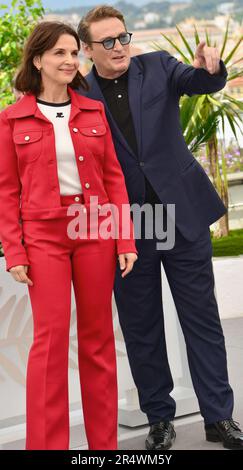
{"points": [[62, 52]]}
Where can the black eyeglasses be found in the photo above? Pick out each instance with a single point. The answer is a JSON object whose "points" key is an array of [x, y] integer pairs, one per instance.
{"points": [[109, 43]]}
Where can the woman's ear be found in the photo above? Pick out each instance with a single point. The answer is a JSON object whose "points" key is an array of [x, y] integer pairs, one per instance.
{"points": [[36, 62]]}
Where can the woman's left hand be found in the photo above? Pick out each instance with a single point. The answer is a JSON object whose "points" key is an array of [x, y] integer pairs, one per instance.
{"points": [[127, 261]]}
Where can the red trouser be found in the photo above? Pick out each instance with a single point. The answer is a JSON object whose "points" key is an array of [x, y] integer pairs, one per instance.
{"points": [[55, 261]]}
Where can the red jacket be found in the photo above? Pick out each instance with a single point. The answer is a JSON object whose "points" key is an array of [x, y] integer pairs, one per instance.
{"points": [[29, 186]]}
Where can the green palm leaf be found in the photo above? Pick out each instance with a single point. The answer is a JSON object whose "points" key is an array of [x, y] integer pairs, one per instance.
{"points": [[207, 39], [196, 36], [230, 55], [225, 39], [176, 48], [186, 43]]}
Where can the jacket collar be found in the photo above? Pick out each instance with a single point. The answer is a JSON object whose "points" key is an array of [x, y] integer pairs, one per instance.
{"points": [[27, 106]]}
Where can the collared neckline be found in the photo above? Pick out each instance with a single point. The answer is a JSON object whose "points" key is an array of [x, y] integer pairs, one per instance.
{"points": [[27, 105], [107, 82], [47, 103]]}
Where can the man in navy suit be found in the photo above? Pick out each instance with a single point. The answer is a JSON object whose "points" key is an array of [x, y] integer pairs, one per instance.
{"points": [[141, 97]]}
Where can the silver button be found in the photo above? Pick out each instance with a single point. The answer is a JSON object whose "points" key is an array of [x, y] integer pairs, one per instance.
{"points": [[87, 185], [115, 81], [119, 96], [81, 158], [75, 129], [27, 137], [77, 198], [94, 131]]}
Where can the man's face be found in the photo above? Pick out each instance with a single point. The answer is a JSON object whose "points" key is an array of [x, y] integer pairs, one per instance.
{"points": [[113, 62]]}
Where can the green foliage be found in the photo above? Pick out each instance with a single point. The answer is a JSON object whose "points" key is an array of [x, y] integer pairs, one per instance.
{"points": [[16, 24], [232, 245]]}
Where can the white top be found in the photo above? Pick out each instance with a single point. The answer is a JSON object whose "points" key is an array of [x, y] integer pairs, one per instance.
{"points": [[58, 114]]}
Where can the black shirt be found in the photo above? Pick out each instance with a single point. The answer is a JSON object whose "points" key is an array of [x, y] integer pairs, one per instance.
{"points": [[115, 92]]}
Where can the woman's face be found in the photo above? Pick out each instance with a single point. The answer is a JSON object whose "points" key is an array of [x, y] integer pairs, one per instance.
{"points": [[60, 64]]}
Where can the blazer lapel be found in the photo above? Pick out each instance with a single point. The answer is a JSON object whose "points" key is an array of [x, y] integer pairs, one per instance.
{"points": [[96, 93], [135, 78]]}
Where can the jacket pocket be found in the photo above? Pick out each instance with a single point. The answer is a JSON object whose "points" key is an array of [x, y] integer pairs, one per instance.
{"points": [[94, 131], [94, 137], [28, 145]]}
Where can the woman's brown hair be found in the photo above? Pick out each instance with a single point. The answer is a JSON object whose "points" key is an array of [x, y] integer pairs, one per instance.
{"points": [[43, 37]]}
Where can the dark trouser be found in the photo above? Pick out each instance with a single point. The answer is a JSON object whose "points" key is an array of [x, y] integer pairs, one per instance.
{"points": [[189, 272]]}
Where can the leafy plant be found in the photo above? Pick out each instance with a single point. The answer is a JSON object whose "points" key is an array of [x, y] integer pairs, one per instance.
{"points": [[16, 24]]}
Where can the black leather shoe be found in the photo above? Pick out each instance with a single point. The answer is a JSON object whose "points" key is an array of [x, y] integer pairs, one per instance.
{"points": [[227, 432], [161, 436]]}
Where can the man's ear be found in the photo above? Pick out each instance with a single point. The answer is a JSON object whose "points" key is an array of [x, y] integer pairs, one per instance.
{"points": [[36, 62], [87, 51]]}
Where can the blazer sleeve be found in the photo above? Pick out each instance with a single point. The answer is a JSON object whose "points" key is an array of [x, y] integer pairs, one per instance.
{"points": [[184, 78], [115, 187], [10, 192]]}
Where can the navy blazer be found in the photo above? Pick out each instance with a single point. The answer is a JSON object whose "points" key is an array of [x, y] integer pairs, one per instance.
{"points": [[156, 81]]}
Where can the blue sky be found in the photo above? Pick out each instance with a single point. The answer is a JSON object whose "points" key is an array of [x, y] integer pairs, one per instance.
{"points": [[62, 4]]}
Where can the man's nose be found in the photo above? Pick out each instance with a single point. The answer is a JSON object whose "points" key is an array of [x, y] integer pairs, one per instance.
{"points": [[117, 46]]}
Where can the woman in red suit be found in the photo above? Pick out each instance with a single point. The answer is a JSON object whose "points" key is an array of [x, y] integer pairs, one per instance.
{"points": [[57, 152]]}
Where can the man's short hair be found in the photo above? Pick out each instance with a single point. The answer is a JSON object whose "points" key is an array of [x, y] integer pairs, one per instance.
{"points": [[98, 13]]}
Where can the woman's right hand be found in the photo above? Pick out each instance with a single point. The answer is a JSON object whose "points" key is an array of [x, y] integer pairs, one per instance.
{"points": [[127, 261], [19, 273]]}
